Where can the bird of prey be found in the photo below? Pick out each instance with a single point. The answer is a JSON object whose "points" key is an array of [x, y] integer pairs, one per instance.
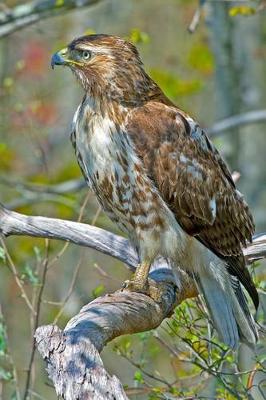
{"points": [[158, 176]]}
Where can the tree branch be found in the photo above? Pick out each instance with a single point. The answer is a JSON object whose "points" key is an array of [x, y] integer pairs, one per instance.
{"points": [[13, 19], [70, 186], [72, 355], [13, 223], [247, 118]]}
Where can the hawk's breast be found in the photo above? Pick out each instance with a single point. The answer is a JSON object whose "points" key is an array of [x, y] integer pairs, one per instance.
{"points": [[116, 175]]}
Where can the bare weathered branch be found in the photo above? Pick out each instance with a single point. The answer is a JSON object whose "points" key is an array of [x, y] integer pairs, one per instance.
{"points": [[257, 249], [22, 15], [13, 223], [72, 355]]}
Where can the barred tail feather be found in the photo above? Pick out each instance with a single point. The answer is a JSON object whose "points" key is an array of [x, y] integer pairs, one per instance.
{"points": [[247, 325], [227, 306]]}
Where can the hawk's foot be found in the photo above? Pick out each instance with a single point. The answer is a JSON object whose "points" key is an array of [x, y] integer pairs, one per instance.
{"points": [[150, 288], [135, 285]]}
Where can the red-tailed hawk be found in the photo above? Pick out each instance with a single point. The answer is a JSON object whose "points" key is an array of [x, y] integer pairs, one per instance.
{"points": [[158, 176]]}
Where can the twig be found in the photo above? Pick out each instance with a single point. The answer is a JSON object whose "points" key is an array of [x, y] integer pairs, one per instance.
{"points": [[11, 361], [148, 374], [104, 274], [33, 198], [98, 212], [196, 17], [70, 186], [66, 245], [247, 118], [36, 395], [36, 322], [16, 276], [69, 292]]}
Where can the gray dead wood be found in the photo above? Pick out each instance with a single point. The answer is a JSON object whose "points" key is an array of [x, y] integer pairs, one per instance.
{"points": [[13, 223], [72, 355]]}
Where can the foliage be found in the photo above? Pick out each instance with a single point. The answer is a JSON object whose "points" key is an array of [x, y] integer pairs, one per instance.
{"points": [[201, 58], [195, 352], [242, 10], [173, 86], [136, 36]]}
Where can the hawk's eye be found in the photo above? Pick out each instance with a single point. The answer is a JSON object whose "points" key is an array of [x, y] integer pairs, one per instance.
{"points": [[86, 54]]}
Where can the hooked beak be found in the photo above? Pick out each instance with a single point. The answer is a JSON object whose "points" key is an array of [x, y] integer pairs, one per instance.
{"points": [[59, 58]]}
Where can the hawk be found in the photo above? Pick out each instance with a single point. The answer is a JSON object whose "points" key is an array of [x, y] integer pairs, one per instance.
{"points": [[158, 176]]}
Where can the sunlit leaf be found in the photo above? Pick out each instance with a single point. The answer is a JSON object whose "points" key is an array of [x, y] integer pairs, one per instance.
{"points": [[138, 377], [3, 343], [98, 291], [6, 157], [8, 82], [59, 3], [242, 10], [201, 58], [173, 86], [136, 36], [89, 31]]}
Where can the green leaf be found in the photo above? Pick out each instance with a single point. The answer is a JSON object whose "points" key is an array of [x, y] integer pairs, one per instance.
{"points": [[242, 10], [173, 86], [3, 343], [8, 82], [2, 254], [138, 377], [137, 36], [201, 58], [5, 375], [98, 291], [37, 253], [29, 275], [6, 157]]}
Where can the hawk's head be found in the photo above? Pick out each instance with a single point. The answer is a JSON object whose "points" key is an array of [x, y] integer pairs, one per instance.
{"points": [[106, 66]]}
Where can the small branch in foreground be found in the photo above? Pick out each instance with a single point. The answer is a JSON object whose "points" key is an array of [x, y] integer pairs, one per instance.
{"points": [[196, 17], [36, 320], [22, 15]]}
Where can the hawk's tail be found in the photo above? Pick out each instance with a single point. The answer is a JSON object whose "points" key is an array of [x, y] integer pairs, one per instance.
{"points": [[228, 306]]}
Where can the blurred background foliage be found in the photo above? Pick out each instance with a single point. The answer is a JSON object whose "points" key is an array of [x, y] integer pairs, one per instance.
{"points": [[216, 72]]}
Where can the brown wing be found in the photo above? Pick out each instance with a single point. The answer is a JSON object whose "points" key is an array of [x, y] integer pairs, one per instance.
{"points": [[194, 181]]}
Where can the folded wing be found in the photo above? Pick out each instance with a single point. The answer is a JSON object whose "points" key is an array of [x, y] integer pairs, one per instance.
{"points": [[194, 181]]}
